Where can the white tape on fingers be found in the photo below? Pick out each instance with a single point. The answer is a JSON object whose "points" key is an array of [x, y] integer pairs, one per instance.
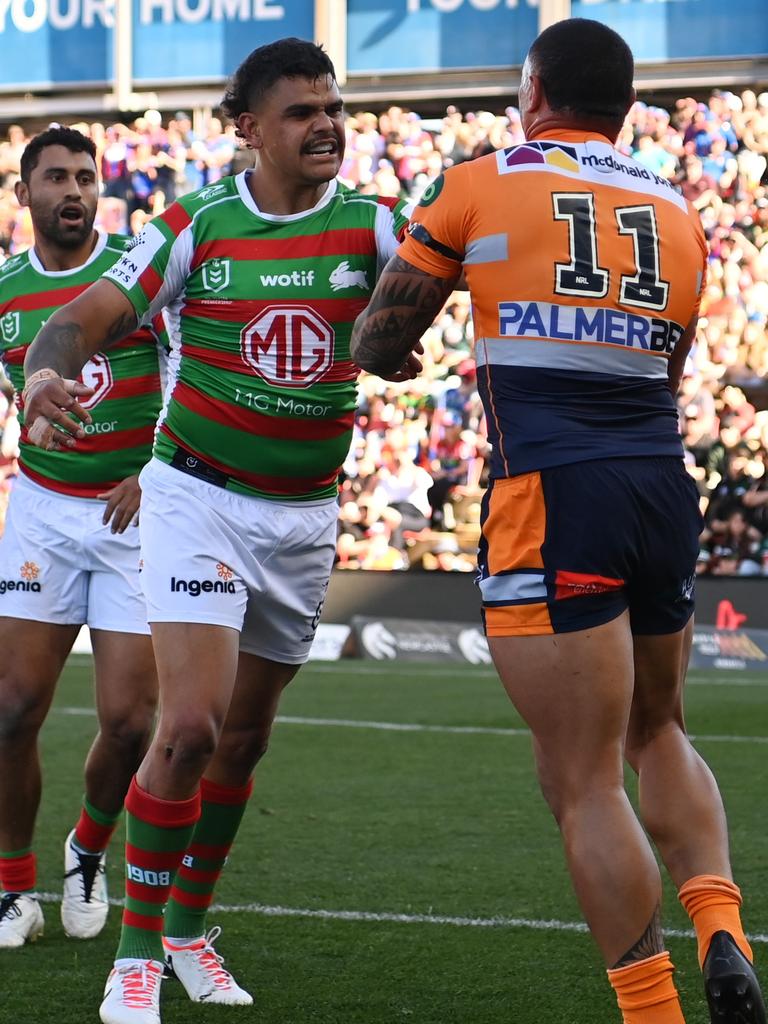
{"points": [[41, 433], [68, 385]]}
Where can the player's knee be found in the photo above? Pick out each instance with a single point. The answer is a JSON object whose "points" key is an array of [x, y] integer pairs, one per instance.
{"points": [[243, 748], [127, 731], [652, 738], [564, 787], [22, 708], [554, 794], [188, 742]]}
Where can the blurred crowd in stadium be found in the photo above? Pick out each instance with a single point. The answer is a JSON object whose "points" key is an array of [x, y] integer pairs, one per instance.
{"points": [[411, 488]]}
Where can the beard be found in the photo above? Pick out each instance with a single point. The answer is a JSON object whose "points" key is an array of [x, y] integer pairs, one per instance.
{"points": [[60, 232]]}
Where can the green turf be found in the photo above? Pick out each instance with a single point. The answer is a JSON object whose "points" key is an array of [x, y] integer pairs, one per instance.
{"points": [[412, 823]]}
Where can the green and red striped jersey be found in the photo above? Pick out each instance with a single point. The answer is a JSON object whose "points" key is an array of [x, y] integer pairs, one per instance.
{"points": [[127, 378], [260, 311]]}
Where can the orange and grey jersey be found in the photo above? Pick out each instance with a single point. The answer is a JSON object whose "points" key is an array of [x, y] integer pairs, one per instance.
{"points": [[584, 269]]}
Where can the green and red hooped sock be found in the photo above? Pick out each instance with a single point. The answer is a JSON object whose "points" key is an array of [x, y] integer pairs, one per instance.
{"points": [[94, 828], [222, 809], [18, 871], [157, 835]]}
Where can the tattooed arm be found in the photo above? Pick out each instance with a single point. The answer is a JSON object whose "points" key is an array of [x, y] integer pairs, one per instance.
{"points": [[99, 317], [404, 304]]}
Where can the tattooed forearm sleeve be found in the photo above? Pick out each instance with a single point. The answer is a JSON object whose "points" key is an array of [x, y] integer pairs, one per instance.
{"points": [[69, 338], [58, 346], [402, 307]]}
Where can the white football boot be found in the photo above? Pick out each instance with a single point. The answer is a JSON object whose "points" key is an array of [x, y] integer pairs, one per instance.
{"points": [[84, 906], [132, 993], [21, 920], [201, 971]]}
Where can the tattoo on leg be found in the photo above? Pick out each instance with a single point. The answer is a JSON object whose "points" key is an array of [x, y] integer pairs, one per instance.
{"points": [[649, 944]]}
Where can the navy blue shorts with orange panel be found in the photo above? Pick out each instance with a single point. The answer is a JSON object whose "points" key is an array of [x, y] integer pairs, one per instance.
{"points": [[572, 547]]}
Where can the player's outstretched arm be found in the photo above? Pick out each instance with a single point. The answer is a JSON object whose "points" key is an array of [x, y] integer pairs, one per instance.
{"points": [[93, 321], [404, 303]]}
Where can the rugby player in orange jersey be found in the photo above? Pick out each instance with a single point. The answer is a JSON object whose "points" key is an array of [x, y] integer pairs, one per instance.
{"points": [[585, 271]]}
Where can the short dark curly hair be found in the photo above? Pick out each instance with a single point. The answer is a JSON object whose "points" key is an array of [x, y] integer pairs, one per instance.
{"points": [[69, 138], [585, 67], [285, 58]]}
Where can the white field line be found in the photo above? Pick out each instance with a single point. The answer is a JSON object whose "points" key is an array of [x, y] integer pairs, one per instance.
{"points": [[367, 916], [472, 730]]}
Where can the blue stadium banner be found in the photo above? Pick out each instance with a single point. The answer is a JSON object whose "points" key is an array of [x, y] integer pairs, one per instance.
{"points": [[55, 42], [69, 42], [433, 35], [677, 29], [199, 39]]}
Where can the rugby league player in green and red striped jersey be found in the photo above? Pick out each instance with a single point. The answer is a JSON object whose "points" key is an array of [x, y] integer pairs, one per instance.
{"points": [[262, 276], [70, 553]]}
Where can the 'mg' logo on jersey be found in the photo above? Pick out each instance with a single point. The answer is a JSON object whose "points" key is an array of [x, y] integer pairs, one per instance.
{"points": [[290, 345], [10, 327], [216, 274]]}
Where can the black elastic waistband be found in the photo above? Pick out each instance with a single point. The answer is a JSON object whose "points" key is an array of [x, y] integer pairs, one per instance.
{"points": [[195, 466]]}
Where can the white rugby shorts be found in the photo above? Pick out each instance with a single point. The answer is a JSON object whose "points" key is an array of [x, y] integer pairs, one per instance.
{"points": [[213, 556], [59, 563]]}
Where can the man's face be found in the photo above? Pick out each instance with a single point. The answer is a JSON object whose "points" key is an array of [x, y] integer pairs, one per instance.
{"points": [[61, 195], [298, 130]]}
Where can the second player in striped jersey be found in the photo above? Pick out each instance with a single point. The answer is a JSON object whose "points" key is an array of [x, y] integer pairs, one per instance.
{"points": [[126, 380], [70, 552]]}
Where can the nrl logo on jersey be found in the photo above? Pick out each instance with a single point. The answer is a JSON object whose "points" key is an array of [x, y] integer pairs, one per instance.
{"points": [[211, 192], [10, 327], [216, 274]]}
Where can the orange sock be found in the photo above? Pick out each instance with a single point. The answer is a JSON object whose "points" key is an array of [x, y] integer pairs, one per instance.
{"points": [[646, 993], [712, 903]]}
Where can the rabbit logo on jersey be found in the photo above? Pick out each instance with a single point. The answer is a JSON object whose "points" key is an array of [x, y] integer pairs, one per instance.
{"points": [[343, 277]]}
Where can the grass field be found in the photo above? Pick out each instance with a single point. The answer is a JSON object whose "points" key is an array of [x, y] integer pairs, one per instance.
{"points": [[387, 874]]}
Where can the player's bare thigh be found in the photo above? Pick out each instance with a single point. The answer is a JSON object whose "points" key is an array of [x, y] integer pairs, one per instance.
{"points": [[33, 655], [574, 690], [661, 663], [126, 677]]}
